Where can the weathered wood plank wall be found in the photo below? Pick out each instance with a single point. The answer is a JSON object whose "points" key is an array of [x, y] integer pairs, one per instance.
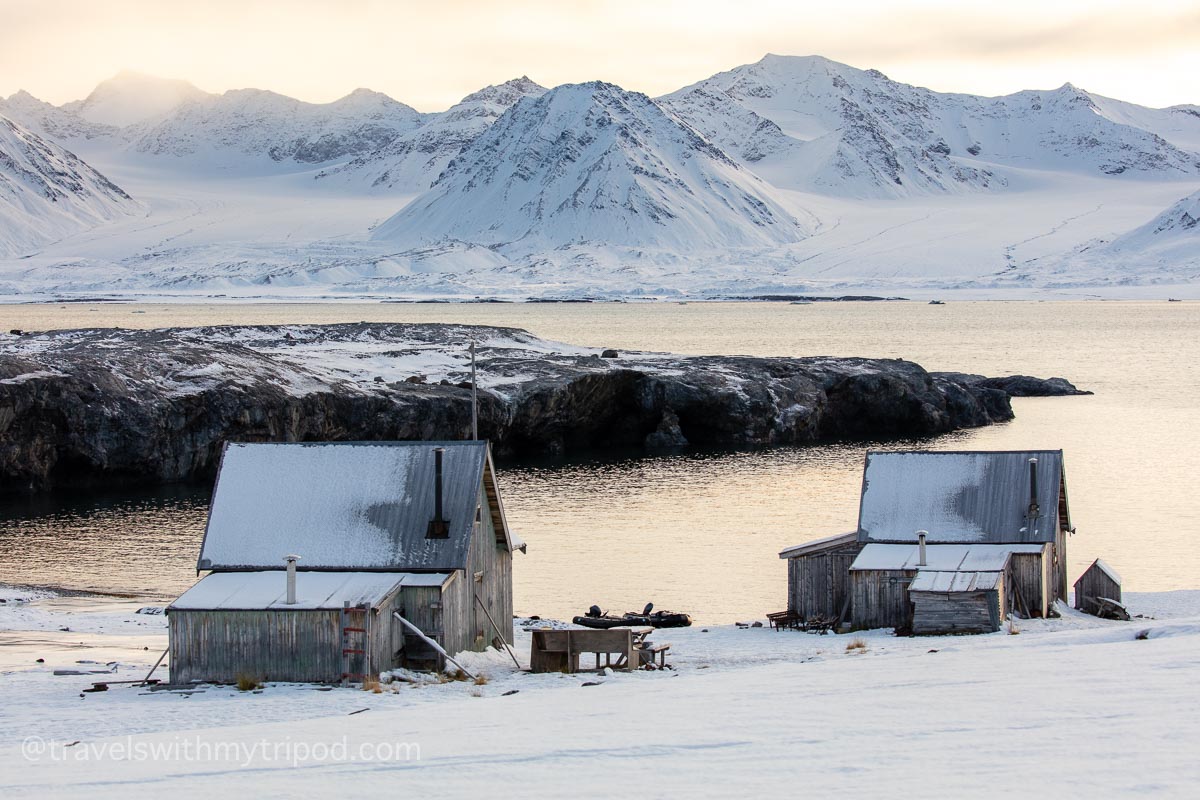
{"points": [[956, 612], [819, 582], [879, 598], [1092, 584], [1030, 578], [221, 646]]}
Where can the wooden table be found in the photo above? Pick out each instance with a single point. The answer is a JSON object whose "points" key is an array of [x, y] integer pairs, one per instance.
{"points": [[559, 650]]}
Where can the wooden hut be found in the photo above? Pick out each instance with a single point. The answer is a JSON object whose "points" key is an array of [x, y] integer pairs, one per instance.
{"points": [[956, 602], [819, 576], [998, 520], [376, 530], [1099, 581]]}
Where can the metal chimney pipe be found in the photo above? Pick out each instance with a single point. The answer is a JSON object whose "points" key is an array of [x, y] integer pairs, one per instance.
{"points": [[291, 578], [1034, 510], [439, 527], [921, 548], [438, 454]]}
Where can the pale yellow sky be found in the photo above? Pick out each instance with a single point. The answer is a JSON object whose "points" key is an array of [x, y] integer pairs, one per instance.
{"points": [[430, 54]]}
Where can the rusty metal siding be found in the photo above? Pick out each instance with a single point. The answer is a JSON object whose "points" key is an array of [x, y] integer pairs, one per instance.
{"points": [[220, 646], [978, 496], [819, 581], [879, 598]]}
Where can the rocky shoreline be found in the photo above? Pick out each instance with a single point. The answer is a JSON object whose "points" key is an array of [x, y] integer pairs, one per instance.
{"points": [[107, 405]]}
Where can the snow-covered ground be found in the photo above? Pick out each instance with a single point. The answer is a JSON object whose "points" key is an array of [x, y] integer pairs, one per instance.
{"points": [[1076, 705]]}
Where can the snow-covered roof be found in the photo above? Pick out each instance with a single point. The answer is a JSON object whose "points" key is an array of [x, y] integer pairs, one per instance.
{"points": [[959, 496], [934, 581], [228, 591], [940, 557], [342, 506], [1103, 566], [819, 544]]}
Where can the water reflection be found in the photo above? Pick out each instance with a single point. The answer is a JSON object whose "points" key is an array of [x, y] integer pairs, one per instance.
{"points": [[701, 532]]}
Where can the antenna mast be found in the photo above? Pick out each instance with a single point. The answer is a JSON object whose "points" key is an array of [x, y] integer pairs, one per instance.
{"points": [[474, 398]]}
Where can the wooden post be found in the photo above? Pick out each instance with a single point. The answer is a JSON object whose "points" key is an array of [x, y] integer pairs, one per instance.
{"points": [[474, 398], [146, 679], [496, 628]]}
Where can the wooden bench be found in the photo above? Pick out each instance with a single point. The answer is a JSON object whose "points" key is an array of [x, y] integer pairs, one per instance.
{"points": [[559, 650], [647, 654], [784, 619]]}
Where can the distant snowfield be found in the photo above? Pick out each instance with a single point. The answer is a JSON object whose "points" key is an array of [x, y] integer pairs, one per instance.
{"points": [[792, 175], [288, 236], [1076, 705]]}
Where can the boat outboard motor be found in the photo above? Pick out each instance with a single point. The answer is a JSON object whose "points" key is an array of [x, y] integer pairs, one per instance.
{"points": [[646, 611], [595, 611]]}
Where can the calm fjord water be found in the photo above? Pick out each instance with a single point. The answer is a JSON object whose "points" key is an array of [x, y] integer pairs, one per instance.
{"points": [[702, 532]]}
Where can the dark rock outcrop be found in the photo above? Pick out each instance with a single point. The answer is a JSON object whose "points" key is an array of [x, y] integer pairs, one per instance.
{"points": [[98, 406], [1016, 385]]}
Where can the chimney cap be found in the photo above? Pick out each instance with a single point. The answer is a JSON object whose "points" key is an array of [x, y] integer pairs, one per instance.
{"points": [[1033, 460], [291, 558]]}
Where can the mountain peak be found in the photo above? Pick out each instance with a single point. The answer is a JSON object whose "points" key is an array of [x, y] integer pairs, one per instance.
{"points": [[504, 94], [130, 97], [591, 163]]}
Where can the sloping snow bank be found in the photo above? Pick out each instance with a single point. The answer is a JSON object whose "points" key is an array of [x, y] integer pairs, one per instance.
{"points": [[750, 710]]}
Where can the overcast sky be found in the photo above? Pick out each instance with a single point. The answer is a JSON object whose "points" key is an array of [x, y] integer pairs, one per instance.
{"points": [[430, 54]]}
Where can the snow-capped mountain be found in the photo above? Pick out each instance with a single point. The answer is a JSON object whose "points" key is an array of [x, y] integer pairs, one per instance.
{"points": [[1179, 225], [813, 124], [411, 162], [46, 192], [52, 122], [594, 164], [790, 175], [131, 97], [253, 122]]}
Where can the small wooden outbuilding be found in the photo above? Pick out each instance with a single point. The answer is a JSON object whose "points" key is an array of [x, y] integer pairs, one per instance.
{"points": [[1097, 581], [819, 576], [957, 602], [373, 530]]}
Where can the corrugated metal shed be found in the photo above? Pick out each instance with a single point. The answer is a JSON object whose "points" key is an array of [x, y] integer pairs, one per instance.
{"points": [[933, 581], [245, 591], [342, 506], [959, 496], [940, 557]]}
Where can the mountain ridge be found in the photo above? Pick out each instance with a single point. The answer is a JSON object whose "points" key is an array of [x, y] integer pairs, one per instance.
{"points": [[773, 177]]}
